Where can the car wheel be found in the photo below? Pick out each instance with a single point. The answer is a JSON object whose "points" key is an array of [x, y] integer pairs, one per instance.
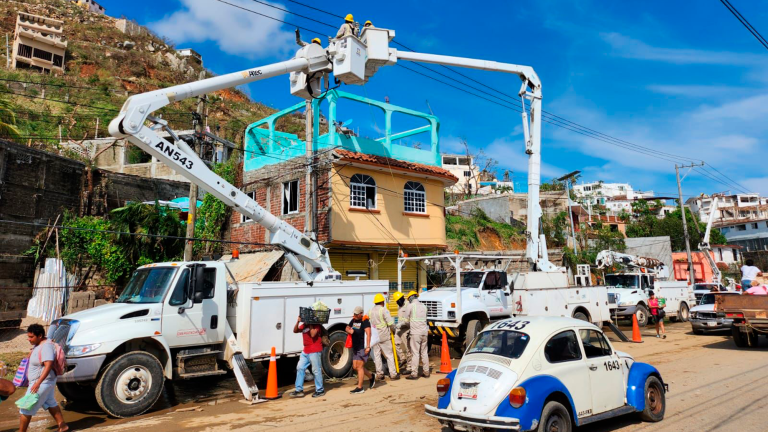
{"points": [[684, 314], [738, 338], [642, 315], [655, 400], [555, 418]]}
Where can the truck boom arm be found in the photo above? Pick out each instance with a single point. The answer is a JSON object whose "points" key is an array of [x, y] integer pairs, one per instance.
{"points": [[608, 258], [717, 276]]}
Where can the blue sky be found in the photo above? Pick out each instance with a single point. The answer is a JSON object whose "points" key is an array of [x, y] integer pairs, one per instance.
{"points": [[679, 77]]}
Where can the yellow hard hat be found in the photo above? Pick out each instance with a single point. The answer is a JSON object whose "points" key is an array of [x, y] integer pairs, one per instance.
{"points": [[397, 296], [411, 294], [378, 298], [316, 40], [368, 22], [349, 18]]}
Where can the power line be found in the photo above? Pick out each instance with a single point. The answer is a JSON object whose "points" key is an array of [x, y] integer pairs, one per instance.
{"points": [[745, 23]]}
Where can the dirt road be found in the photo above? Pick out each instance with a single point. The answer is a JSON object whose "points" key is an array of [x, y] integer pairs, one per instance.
{"points": [[713, 387]]}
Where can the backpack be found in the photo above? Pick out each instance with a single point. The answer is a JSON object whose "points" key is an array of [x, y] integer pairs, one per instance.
{"points": [[59, 359]]}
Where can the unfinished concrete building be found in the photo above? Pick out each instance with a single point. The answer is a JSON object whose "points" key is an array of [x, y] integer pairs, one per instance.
{"points": [[38, 44]]}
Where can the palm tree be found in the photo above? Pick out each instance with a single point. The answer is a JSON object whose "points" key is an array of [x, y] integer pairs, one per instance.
{"points": [[8, 127]]}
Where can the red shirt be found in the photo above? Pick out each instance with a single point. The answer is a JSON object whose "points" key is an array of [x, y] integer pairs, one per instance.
{"points": [[311, 344]]}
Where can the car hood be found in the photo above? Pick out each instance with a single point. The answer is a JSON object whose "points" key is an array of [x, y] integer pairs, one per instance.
{"points": [[703, 308], [493, 379]]}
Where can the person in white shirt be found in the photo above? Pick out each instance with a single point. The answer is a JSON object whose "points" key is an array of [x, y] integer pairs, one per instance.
{"points": [[749, 273]]}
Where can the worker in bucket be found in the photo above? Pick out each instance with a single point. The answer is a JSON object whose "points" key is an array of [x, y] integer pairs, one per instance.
{"points": [[368, 24], [403, 329], [384, 325], [419, 337], [348, 28]]}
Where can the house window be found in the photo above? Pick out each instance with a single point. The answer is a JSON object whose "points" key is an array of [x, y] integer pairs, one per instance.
{"points": [[44, 55], [25, 51], [754, 226], [291, 197], [741, 227], [415, 198], [467, 173], [362, 193], [58, 60], [244, 218]]}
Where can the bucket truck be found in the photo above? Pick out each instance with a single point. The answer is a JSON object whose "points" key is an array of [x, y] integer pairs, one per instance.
{"points": [[628, 290], [717, 277], [182, 320]]}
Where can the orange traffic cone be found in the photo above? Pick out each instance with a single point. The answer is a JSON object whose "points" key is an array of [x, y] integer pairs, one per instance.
{"points": [[445, 357], [272, 378], [636, 330]]}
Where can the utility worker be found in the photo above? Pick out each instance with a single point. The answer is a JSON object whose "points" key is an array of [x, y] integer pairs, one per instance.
{"points": [[419, 337], [367, 24], [403, 328], [382, 321], [317, 41], [348, 28]]}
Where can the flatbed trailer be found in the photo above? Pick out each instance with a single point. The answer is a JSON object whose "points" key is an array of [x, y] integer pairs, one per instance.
{"points": [[749, 314]]}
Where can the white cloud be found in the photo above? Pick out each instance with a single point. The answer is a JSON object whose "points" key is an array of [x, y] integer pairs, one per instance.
{"points": [[699, 91], [748, 109], [624, 46], [234, 30]]}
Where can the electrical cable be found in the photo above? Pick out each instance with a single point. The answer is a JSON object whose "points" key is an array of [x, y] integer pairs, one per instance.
{"points": [[745, 23]]}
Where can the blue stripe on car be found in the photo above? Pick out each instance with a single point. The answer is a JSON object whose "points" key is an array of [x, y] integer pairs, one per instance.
{"points": [[638, 375], [444, 401], [537, 390]]}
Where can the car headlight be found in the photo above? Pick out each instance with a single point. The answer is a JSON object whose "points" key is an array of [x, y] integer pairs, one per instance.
{"points": [[81, 350]]}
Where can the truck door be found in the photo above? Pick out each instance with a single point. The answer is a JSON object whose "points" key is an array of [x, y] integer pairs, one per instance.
{"points": [[493, 294], [203, 322], [606, 371]]}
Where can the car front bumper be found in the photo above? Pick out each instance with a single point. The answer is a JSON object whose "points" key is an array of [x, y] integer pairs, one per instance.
{"points": [[703, 324], [467, 422], [82, 369]]}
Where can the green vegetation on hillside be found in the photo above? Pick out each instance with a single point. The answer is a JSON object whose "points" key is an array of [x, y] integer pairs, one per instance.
{"points": [[463, 233]]}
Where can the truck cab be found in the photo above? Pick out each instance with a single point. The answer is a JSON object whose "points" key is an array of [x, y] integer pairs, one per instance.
{"points": [[629, 291]]}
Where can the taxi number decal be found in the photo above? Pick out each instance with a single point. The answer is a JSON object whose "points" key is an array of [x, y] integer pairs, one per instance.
{"points": [[585, 413], [512, 325], [175, 154], [612, 365]]}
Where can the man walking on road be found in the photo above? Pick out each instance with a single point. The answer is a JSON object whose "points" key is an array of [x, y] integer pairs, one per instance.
{"points": [[402, 335], [359, 330], [384, 325], [419, 336], [313, 349]]}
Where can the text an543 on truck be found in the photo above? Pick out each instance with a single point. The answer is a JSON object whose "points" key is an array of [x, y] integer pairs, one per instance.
{"points": [[628, 290]]}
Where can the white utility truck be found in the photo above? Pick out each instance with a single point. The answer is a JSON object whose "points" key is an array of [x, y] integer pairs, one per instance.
{"points": [[127, 364], [629, 290], [489, 293]]}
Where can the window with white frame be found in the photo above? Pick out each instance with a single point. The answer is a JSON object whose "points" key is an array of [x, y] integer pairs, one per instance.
{"points": [[244, 218], [362, 191], [415, 198], [291, 197]]}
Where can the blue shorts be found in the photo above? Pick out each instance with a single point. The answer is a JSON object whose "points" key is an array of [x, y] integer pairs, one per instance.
{"points": [[46, 392]]}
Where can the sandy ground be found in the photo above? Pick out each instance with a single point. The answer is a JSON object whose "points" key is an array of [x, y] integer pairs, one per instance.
{"points": [[713, 387]]}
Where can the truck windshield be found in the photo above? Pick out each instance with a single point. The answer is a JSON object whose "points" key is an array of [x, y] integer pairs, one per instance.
{"points": [[468, 280], [147, 285], [506, 343], [707, 299], [622, 281]]}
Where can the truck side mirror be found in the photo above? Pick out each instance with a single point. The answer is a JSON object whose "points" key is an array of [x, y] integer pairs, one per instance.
{"points": [[194, 288]]}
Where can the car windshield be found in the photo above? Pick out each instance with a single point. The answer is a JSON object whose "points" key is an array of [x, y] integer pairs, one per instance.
{"points": [[622, 281], [468, 280], [506, 343], [147, 285]]}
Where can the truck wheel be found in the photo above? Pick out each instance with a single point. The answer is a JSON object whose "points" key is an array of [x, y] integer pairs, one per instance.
{"points": [[130, 384], [75, 392], [473, 328], [738, 338], [752, 339], [642, 315], [581, 316], [684, 314], [655, 400], [554, 417], [337, 360]]}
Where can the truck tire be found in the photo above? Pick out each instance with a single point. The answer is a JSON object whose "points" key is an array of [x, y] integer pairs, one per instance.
{"points": [[642, 315], [75, 392], [337, 360], [738, 338], [684, 314], [655, 400], [473, 328], [752, 341], [581, 316], [554, 417], [130, 384]]}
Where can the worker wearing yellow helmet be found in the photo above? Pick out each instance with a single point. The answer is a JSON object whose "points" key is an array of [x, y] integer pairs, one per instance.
{"points": [[384, 325], [317, 41], [368, 24], [419, 336], [348, 28], [403, 330], [411, 293]]}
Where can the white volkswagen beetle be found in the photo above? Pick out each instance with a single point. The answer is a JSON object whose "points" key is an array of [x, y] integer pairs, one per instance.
{"points": [[545, 374]]}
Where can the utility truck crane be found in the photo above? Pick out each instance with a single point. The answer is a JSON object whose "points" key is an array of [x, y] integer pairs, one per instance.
{"points": [[184, 320], [704, 246]]}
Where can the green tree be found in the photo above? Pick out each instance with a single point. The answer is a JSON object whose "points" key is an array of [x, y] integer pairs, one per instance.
{"points": [[8, 120]]}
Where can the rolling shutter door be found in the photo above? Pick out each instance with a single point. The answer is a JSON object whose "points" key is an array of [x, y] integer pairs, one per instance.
{"points": [[388, 271], [342, 262]]}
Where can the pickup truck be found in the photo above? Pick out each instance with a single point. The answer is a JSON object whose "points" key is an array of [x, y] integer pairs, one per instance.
{"points": [[749, 314], [185, 320]]}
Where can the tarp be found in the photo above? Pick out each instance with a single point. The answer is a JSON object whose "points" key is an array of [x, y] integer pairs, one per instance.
{"points": [[52, 290]]}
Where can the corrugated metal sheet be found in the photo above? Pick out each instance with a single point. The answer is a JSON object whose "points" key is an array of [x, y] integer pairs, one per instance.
{"points": [[252, 267]]}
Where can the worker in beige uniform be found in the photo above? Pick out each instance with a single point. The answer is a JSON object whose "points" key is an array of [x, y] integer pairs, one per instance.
{"points": [[403, 328], [419, 338], [348, 28], [367, 24], [382, 321]]}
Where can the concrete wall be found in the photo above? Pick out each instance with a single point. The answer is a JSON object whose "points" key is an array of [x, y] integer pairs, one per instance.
{"points": [[513, 207], [651, 247], [496, 207]]}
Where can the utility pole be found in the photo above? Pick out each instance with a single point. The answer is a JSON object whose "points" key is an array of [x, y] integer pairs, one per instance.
{"points": [[192, 215], [691, 276]]}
